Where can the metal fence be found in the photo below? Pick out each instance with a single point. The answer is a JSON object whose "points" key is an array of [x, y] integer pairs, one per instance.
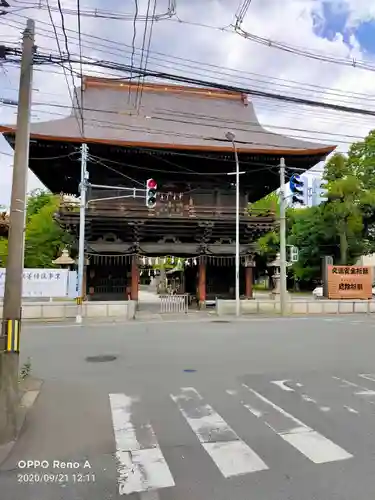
{"points": [[174, 303]]}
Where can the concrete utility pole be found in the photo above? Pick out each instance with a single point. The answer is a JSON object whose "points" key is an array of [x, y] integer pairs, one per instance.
{"points": [[11, 324], [82, 224], [231, 137], [283, 289]]}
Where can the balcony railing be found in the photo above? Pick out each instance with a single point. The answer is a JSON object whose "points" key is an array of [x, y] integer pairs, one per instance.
{"points": [[126, 209]]}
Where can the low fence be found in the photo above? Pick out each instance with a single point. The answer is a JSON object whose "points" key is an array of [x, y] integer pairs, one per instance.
{"points": [[224, 307], [68, 310], [126, 310], [174, 303]]}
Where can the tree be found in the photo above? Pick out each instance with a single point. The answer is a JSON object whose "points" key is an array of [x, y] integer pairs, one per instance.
{"points": [[36, 200], [3, 252], [311, 235], [45, 239]]}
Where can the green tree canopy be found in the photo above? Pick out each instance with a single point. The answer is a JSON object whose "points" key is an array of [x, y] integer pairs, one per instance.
{"points": [[45, 239]]}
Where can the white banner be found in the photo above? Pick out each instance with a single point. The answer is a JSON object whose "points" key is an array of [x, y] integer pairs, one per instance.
{"points": [[41, 282]]}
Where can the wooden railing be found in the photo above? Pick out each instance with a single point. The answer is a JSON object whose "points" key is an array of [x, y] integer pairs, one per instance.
{"points": [[166, 210]]}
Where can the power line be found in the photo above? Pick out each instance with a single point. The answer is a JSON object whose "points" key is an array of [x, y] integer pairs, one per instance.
{"points": [[100, 13], [173, 116], [192, 65], [81, 66], [51, 59], [59, 49], [68, 60]]}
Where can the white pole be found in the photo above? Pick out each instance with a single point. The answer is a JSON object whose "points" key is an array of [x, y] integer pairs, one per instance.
{"points": [[283, 289], [82, 223], [238, 304]]}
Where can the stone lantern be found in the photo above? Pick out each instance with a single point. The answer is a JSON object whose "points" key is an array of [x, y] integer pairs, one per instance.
{"points": [[275, 294], [64, 261]]}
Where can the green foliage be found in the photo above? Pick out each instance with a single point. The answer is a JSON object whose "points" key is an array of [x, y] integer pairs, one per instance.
{"points": [[44, 237], [3, 252], [343, 226], [36, 200]]}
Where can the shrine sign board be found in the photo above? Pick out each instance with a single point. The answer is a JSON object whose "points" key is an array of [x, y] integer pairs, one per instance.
{"points": [[349, 282]]}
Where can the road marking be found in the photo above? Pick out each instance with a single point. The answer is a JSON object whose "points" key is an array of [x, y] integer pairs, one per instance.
{"points": [[351, 410], [324, 408], [231, 455], [310, 443], [149, 495], [139, 469], [281, 384], [307, 398], [367, 376], [364, 391]]}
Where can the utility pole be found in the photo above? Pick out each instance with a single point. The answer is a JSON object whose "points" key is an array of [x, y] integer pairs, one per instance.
{"points": [[232, 138], [82, 224], [283, 290], [11, 324], [238, 303]]}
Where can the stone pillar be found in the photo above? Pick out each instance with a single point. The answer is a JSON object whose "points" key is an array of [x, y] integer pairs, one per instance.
{"points": [[202, 283], [134, 278], [249, 282]]}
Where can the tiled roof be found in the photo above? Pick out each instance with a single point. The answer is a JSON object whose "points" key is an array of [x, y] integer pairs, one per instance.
{"points": [[169, 116]]}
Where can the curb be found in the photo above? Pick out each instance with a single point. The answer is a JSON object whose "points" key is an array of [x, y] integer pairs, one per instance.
{"points": [[27, 401]]}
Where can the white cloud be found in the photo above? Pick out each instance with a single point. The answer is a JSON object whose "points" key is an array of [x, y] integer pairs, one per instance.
{"points": [[290, 22]]}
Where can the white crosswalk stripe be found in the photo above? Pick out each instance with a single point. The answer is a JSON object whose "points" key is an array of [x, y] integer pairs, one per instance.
{"points": [[310, 443], [143, 469], [139, 469], [231, 455]]}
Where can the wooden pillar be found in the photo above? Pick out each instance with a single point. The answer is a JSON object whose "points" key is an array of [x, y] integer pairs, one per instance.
{"points": [[134, 278], [202, 283], [249, 282]]}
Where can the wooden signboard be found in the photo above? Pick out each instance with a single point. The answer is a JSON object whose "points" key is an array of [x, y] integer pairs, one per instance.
{"points": [[349, 282]]}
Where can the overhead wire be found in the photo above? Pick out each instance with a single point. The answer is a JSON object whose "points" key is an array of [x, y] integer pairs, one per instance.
{"points": [[99, 13], [59, 49], [70, 64], [191, 66], [215, 122], [133, 42], [50, 59], [142, 79], [142, 51], [81, 66]]}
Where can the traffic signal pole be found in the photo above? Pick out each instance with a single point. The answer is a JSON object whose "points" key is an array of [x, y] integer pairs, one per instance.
{"points": [[283, 288], [11, 323]]}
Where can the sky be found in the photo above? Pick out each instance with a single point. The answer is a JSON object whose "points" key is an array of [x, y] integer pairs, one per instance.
{"points": [[341, 31]]}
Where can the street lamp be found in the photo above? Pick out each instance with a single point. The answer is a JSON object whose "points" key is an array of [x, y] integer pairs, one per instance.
{"points": [[231, 137]]}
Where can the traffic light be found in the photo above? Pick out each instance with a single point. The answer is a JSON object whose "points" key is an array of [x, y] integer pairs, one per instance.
{"points": [[151, 189], [297, 187], [319, 192]]}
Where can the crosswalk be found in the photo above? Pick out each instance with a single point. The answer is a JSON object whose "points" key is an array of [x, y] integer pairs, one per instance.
{"points": [[141, 463]]}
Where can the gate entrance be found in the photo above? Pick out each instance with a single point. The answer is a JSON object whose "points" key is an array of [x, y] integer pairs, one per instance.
{"points": [[170, 303]]}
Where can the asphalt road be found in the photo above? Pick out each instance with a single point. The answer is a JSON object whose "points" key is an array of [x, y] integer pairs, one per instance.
{"points": [[268, 409]]}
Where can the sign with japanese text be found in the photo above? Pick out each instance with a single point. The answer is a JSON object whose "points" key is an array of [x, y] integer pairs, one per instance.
{"points": [[349, 282], [41, 282]]}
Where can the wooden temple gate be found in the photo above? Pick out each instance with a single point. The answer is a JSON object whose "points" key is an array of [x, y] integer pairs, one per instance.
{"points": [[122, 237]]}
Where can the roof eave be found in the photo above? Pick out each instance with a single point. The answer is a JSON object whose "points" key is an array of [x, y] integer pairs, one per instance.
{"points": [[323, 151]]}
